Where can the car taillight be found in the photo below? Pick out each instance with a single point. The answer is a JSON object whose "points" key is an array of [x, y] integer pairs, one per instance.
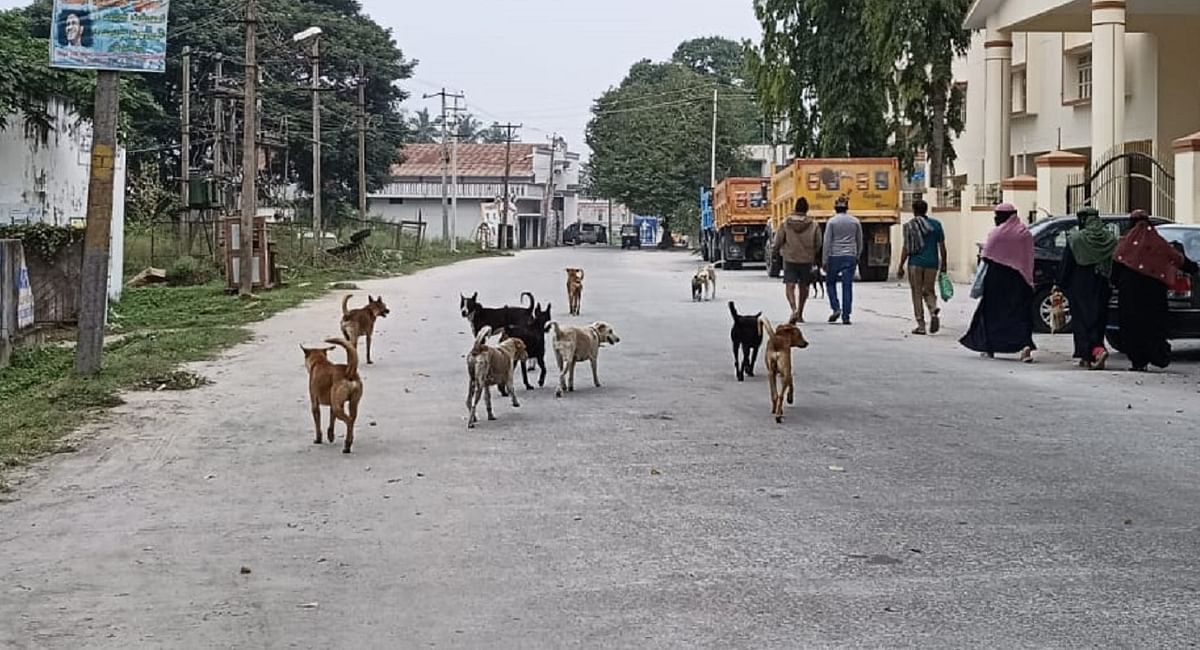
{"points": [[1181, 288]]}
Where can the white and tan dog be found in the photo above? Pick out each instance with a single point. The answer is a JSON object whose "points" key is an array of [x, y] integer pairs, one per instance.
{"points": [[489, 366], [706, 277], [575, 344]]}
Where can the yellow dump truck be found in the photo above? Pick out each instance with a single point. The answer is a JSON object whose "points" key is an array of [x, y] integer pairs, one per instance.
{"points": [[734, 222], [871, 184]]}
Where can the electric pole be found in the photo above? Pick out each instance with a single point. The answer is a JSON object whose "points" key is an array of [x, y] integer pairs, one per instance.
{"points": [[93, 298], [713, 167], [219, 121], [550, 188], [250, 157], [508, 141], [445, 160], [318, 222], [185, 146], [362, 144], [454, 176]]}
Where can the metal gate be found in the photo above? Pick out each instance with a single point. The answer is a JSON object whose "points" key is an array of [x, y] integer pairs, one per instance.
{"points": [[1129, 178]]}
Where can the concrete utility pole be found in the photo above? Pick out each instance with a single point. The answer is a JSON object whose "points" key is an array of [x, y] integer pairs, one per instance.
{"points": [[445, 159], [454, 177], [362, 144], [185, 146], [93, 293], [219, 121], [548, 210], [250, 157], [713, 167], [318, 222], [508, 141]]}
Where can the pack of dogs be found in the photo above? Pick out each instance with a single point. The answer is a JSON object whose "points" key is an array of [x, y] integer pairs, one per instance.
{"points": [[520, 334]]}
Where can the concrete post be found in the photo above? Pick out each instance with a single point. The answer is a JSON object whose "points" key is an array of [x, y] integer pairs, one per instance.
{"points": [[1021, 191], [1187, 179], [1108, 76], [1055, 172], [997, 161]]}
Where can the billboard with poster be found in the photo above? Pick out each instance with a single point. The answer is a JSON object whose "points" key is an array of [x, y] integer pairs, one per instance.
{"points": [[121, 35]]}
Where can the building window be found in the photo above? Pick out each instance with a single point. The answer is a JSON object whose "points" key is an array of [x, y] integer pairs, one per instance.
{"points": [[396, 200], [1020, 91], [1083, 76]]}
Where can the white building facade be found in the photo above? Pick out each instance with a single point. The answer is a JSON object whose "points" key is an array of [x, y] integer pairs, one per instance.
{"points": [[1082, 85]]}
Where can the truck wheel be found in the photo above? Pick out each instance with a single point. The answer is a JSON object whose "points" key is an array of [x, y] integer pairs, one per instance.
{"points": [[705, 254]]}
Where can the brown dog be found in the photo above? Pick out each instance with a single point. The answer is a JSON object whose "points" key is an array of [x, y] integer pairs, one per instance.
{"points": [[489, 366], [361, 321], [574, 290], [780, 341], [575, 344], [335, 386]]}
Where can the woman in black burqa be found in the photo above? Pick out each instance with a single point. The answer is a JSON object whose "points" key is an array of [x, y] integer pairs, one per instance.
{"points": [[1084, 278], [1003, 321]]}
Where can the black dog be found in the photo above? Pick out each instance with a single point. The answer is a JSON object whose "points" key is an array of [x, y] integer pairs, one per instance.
{"points": [[533, 336], [818, 283], [697, 289], [500, 318], [746, 336]]}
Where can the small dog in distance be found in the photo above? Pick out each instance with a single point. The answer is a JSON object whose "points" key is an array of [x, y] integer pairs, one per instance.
{"points": [[361, 321], [574, 290], [747, 339], [707, 277]]}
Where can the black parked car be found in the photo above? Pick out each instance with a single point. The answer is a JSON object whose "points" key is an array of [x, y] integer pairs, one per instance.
{"points": [[1183, 300], [630, 237], [1049, 241]]}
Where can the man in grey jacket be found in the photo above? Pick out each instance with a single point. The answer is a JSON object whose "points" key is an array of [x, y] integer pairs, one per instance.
{"points": [[843, 246]]}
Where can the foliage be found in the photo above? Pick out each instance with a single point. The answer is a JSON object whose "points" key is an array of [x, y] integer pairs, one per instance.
{"points": [[651, 140], [920, 39], [147, 198], [816, 72], [719, 58], [42, 239], [188, 271], [424, 128]]}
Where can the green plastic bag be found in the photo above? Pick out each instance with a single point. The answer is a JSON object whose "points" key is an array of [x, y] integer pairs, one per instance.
{"points": [[945, 286]]}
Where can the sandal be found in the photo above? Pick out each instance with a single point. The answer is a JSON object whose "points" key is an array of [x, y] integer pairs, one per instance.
{"points": [[1027, 355]]}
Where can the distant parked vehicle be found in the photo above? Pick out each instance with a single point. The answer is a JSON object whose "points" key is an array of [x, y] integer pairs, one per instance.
{"points": [[585, 233], [630, 237]]}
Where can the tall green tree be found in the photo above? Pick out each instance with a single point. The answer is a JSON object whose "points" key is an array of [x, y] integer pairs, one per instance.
{"points": [[424, 128], [720, 58], [919, 40], [651, 140], [816, 71]]}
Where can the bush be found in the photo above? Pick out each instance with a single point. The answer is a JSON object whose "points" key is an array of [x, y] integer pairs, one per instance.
{"points": [[188, 271]]}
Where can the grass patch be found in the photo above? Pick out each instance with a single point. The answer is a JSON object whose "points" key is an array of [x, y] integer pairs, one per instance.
{"points": [[161, 328]]}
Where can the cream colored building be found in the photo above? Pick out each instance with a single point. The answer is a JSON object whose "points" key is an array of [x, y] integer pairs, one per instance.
{"points": [[1097, 78]]}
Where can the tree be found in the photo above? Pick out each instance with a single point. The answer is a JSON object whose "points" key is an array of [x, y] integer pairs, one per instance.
{"points": [[920, 39], [424, 128], [816, 72], [468, 129], [716, 57], [494, 134], [650, 139]]}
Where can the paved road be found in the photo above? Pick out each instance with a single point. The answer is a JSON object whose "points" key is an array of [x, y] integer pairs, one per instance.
{"points": [[980, 504]]}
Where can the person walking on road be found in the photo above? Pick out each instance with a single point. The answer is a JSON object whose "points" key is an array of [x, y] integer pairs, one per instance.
{"points": [[1145, 268], [1003, 321], [799, 244], [1084, 278], [843, 245], [925, 253]]}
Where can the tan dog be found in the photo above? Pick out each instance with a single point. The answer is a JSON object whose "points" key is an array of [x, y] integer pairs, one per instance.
{"points": [[361, 321], [335, 386], [574, 290], [489, 366], [706, 277], [780, 341], [574, 344]]}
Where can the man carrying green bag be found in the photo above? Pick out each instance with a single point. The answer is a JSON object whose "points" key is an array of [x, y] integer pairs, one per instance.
{"points": [[925, 255]]}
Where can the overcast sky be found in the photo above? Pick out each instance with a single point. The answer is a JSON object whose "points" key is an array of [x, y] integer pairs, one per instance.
{"points": [[542, 62]]}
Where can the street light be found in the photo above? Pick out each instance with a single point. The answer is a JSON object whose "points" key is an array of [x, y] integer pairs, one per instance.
{"points": [[314, 33]]}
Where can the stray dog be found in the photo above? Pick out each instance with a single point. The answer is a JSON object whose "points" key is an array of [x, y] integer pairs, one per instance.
{"points": [[496, 318], [1058, 311], [747, 338], [534, 338], [574, 290], [818, 283], [361, 321], [707, 277], [574, 344], [489, 366], [780, 341], [697, 289], [335, 386]]}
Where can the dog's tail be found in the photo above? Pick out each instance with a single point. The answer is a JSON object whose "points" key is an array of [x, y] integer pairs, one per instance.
{"points": [[346, 303], [765, 327], [481, 339], [553, 325], [532, 301], [733, 310], [351, 358]]}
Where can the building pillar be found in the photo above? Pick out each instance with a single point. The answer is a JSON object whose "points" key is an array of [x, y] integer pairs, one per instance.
{"points": [[1108, 77], [1021, 191], [1056, 170], [997, 160], [1187, 179]]}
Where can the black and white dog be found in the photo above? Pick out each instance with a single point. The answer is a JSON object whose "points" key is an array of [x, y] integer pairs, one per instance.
{"points": [[498, 318], [747, 339]]}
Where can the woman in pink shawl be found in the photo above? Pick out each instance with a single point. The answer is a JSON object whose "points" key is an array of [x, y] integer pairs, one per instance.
{"points": [[1003, 320]]}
